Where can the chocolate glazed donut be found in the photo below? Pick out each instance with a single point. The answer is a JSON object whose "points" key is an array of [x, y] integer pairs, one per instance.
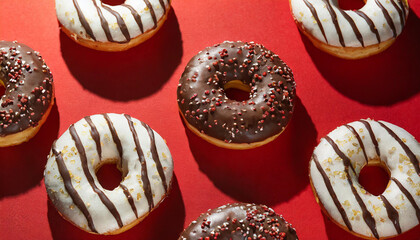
{"points": [[240, 221], [228, 123], [28, 95]]}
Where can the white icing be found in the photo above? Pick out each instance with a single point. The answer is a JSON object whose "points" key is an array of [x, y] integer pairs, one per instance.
{"points": [[391, 154], [68, 16], [103, 220], [303, 16]]}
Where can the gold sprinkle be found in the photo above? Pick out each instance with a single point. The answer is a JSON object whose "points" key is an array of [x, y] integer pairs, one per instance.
{"points": [[355, 212], [71, 207], [400, 167], [392, 150], [403, 158], [346, 203], [377, 209], [138, 196]]}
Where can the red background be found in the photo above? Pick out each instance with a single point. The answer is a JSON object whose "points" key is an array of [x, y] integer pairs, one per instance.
{"points": [[142, 82]]}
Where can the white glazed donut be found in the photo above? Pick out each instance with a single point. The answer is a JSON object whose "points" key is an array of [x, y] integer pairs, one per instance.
{"points": [[351, 34], [335, 167], [111, 28], [139, 152]]}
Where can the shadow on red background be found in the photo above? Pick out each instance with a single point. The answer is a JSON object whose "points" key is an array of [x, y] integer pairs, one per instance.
{"points": [[387, 78], [335, 232], [165, 222], [129, 75], [269, 174], [22, 166]]}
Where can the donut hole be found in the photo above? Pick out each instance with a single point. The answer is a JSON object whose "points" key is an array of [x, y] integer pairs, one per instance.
{"points": [[374, 178], [351, 4], [113, 2], [109, 176], [237, 90], [2, 89]]}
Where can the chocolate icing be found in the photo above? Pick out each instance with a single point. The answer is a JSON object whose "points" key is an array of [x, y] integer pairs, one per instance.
{"points": [[28, 87], [202, 99], [239, 221]]}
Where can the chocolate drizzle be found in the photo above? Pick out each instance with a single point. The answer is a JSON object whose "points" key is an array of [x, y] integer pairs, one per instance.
{"points": [[400, 13], [104, 22], [83, 20], [28, 86], [336, 25], [372, 136], [332, 193], [70, 189], [370, 23], [407, 150], [204, 105], [152, 12], [352, 130], [162, 4], [120, 21], [239, 221], [354, 27], [367, 216], [136, 16], [129, 199], [155, 155], [387, 17], [409, 197], [144, 175], [392, 214], [115, 137], [108, 204], [315, 14], [95, 135]]}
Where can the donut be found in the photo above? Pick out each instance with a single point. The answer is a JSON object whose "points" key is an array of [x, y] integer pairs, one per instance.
{"points": [[100, 26], [335, 166], [240, 221], [351, 34], [28, 96], [139, 153], [228, 123]]}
